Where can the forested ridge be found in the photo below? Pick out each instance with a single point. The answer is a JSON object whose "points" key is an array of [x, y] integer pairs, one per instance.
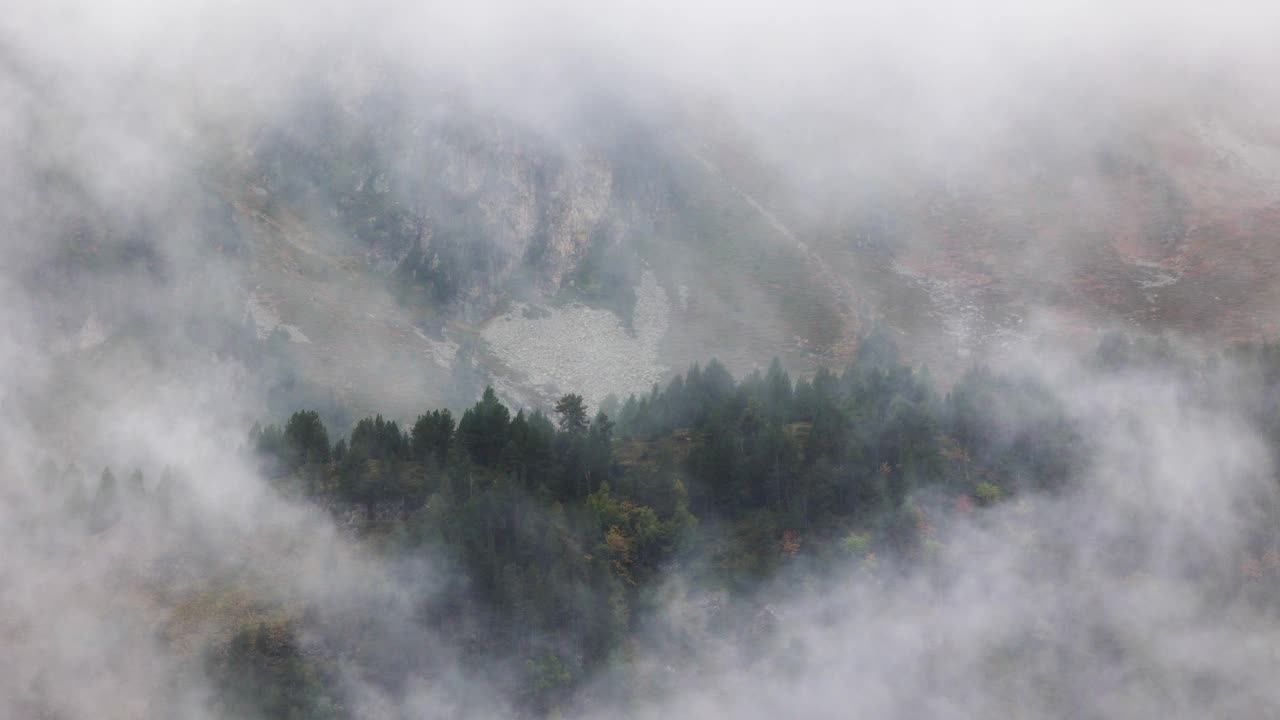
{"points": [[560, 529], [562, 525]]}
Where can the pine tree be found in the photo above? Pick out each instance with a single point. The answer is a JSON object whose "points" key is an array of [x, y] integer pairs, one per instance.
{"points": [[572, 410]]}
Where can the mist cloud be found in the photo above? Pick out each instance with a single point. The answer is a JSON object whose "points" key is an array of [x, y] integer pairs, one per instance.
{"points": [[118, 121]]}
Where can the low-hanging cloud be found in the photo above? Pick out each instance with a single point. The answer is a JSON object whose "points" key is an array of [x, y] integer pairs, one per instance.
{"points": [[1120, 598], [1124, 597]]}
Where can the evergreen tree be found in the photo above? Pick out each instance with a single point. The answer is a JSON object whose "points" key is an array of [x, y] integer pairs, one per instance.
{"points": [[432, 435], [483, 429], [573, 413], [305, 440], [105, 508]]}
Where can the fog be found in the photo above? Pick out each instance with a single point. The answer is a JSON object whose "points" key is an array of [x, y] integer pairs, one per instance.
{"points": [[130, 133], [1109, 601]]}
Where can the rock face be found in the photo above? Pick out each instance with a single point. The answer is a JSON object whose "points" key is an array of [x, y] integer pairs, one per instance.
{"points": [[580, 195], [602, 259], [526, 208], [463, 208], [388, 243]]}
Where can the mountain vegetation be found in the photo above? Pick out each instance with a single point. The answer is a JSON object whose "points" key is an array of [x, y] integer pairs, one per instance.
{"points": [[564, 526], [563, 530]]}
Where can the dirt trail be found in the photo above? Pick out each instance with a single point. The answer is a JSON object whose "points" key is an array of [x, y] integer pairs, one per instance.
{"points": [[839, 288]]}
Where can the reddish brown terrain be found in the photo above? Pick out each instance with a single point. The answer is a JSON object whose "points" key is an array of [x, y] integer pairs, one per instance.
{"points": [[1163, 227]]}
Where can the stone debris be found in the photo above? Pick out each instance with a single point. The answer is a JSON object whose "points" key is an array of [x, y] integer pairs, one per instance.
{"points": [[586, 350]]}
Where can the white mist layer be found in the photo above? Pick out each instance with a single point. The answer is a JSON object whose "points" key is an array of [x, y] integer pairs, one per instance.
{"points": [[1118, 600], [1113, 601]]}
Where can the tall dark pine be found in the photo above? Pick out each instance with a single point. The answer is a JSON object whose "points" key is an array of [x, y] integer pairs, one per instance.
{"points": [[305, 439], [572, 410], [484, 428]]}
